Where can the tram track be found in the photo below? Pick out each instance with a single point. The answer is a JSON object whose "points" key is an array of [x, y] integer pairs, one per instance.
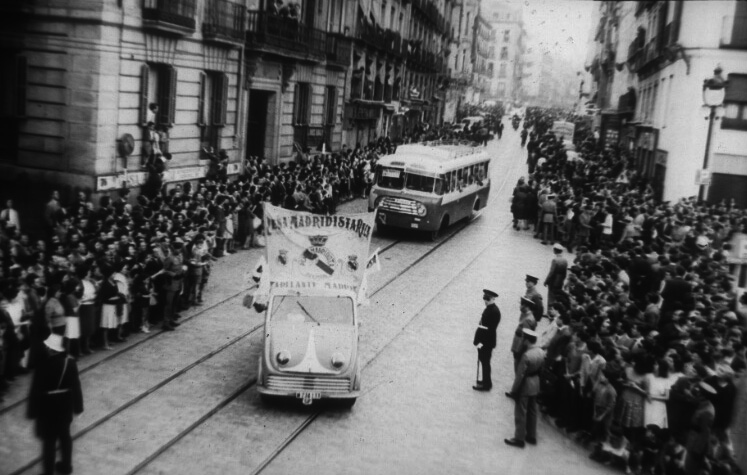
{"points": [[451, 233], [306, 423]]}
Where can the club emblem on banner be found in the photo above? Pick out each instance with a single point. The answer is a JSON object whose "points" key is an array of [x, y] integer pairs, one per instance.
{"points": [[317, 257]]}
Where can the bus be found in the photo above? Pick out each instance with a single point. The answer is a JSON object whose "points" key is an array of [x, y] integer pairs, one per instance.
{"points": [[428, 187]]}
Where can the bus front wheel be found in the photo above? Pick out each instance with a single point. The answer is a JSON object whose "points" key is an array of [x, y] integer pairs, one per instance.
{"points": [[437, 233]]}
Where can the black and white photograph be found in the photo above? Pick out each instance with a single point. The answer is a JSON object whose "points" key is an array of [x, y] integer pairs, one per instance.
{"points": [[373, 237]]}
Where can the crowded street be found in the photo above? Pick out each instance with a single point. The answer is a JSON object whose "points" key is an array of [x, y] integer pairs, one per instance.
{"points": [[186, 398], [372, 237]]}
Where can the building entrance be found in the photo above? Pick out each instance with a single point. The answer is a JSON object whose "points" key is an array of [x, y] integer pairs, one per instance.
{"points": [[256, 133]]}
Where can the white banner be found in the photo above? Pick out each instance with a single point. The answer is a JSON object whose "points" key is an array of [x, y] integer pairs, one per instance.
{"points": [[310, 251]]}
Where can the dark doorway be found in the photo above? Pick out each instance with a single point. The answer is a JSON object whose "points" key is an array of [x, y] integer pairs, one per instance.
{"points": [[727, 187], [257, 124]]}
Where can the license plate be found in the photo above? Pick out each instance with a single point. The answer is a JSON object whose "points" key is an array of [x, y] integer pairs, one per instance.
{"points": [[414, 225], [308, 396]]}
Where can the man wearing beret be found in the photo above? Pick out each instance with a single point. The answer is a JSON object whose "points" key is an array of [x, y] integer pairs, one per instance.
{"points": [[526, 321], [485, 338], [538, 308], [524, 391]]}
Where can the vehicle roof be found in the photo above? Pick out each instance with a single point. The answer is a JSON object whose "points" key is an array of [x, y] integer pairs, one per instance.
{"points": [[433, 158]]}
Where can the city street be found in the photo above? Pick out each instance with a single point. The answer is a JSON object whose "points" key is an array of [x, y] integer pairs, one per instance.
{"points": [[184, 401]]}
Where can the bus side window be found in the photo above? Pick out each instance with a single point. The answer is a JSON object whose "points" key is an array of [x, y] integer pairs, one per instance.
{"points": [[446, 180], [460, 179], [453, 175], [471, 174]]}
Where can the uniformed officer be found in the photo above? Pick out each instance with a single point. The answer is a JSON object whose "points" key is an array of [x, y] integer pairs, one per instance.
{"points": [[532, 294], [525, 390], [526, 321], [54, 397], [557, 274], [485, 338]]}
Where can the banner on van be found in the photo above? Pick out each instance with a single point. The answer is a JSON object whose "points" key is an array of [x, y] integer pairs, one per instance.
{"points": [[310, 251]]}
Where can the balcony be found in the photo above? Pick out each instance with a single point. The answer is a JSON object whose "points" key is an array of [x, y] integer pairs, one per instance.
{"points": [[269, 33], [734, 32], [225, 22], [176, 17], [339, 49], [386, 40], [312, 136]]}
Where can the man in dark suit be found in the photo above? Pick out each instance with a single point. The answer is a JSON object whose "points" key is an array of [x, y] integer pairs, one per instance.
{"points": [[538, 308], [54, 397], [677, 291], [556, 277], [525, 390], [485, 338]]}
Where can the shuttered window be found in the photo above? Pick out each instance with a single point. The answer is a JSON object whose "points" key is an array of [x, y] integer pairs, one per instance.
{"points": [[13, 84], [201, 111], [167, 95], [330, 106], [220, 98], [302, 104]]}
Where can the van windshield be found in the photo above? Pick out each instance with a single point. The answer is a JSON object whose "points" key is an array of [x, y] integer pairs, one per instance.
{"points": [[312, 309], [420, 183], [392, 178]]}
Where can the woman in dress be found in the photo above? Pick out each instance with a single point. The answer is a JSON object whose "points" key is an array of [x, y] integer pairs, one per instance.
{"points": [[72, 321], [87, 309], [657, 385], [110, 299], [633, 395]]}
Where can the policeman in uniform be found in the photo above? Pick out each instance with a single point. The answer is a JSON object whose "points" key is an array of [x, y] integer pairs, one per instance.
{"points": [[532, 294], [557, 274], [485, 338], [54, 397], [526, 320], [525, 390]]}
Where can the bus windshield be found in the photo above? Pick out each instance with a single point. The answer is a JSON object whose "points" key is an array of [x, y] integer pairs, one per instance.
{"points": [[392, 178], [419, 183], [312, 309]]}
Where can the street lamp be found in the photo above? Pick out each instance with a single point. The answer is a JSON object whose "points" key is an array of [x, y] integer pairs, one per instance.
{"points": [[713, 98]]}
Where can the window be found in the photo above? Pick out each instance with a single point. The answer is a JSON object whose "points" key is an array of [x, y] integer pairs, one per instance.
{"points": [[211, 108], [504, 52], [302, 104], [330, 105], [735, 103], [420, 183], [502, 71], [392, 178], [158, 86], [506, 36], [12, 102]]}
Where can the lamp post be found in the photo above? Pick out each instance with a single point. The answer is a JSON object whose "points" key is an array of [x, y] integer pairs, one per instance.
{"points": [[713, 98]]}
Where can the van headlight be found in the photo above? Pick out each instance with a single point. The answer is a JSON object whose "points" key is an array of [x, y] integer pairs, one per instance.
{"points": [[338, 360], [421, 209], [283, 357]]}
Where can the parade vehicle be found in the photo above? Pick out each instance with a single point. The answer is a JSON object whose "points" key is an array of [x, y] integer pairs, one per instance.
{"points": [[428, 187], [312, 273]]}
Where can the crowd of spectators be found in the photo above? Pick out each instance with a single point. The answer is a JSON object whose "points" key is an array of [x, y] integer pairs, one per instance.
{"points": [[646, 339], [125, 264]]}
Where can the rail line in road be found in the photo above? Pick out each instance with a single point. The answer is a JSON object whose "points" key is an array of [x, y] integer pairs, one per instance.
{"points": [[306, 423], [451, 233]]}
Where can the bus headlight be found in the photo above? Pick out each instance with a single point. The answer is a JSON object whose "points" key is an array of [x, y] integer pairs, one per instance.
{"points": [[421, 209], [338, 360], [283, 357]]}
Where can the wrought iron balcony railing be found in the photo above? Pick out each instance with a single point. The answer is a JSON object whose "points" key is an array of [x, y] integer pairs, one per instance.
{"points": [[339, 49], [171, 16], [267, 31], [225, 21]]}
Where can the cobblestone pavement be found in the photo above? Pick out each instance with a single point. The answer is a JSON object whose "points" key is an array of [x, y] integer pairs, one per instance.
{"points": [[176, 402]]}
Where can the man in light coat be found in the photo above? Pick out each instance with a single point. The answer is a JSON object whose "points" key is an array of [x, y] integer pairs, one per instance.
{"points": [[525, 390]]}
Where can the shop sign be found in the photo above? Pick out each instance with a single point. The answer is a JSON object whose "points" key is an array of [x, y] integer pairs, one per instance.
{"points": [[703, 177]]}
